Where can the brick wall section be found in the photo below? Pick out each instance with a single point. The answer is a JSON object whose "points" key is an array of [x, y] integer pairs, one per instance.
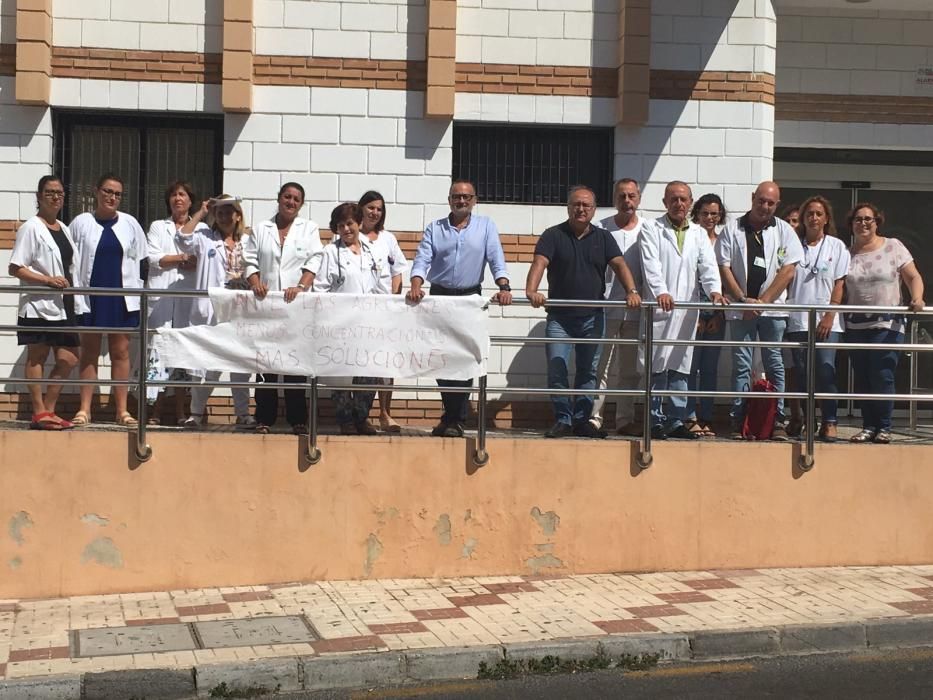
{"points": [[712, 85], [536, 80], [7, 60], [8, 233], [144, 66], [339, 72], [441, 52], [634, 61], [238, 38], [865, 109], [33, 51]]}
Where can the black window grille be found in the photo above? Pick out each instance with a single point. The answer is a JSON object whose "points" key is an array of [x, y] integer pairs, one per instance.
{"points": [[146, 150], [531, 164]]}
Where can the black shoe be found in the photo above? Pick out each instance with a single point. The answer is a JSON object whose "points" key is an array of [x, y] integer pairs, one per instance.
{"points": [[658, 432], [779, 433], [559, 430], [682, 432], [364, 427], [588, 430], [440, 429], [454, 430]]}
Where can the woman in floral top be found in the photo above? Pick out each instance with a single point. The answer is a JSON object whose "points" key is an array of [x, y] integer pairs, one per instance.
{"points": [[879, 266]]}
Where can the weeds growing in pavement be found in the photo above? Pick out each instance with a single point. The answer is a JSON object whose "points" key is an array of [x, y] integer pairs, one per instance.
{"points": [[506, 668], [252, 691]]}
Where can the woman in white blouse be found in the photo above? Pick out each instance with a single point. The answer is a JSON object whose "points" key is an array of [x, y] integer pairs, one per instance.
{"points": [[218, 251], [111, 248], [275, 254], [373, 208], [349, 265], [170, 268], [43, 256]]}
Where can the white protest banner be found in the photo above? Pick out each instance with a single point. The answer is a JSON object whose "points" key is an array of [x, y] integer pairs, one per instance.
{"points": [[335, 335]]}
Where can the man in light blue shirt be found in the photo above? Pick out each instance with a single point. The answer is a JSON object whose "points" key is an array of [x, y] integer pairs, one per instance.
{"points": [[452, 258]]}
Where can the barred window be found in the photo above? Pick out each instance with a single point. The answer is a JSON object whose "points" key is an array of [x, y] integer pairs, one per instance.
{"points": [[529, 164]]}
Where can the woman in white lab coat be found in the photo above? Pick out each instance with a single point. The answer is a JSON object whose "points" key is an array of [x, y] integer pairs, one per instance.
{"points": [[352, 264], [112, 250], [219, 254], [170, 268], [373, 208], [43, 256], [275, 253]]}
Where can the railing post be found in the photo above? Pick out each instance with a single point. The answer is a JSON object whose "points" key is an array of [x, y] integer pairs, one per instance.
{"points": [[806, 459], [644, 458], [480, 455], [314, 453], [912, 410], [143, 451]]}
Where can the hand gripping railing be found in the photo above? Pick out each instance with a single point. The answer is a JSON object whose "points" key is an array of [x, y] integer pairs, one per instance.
{"points": [[480, 457]]}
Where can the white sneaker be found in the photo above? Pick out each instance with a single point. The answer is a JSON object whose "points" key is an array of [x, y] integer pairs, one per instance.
{"points": [[193, 421], [246, 421]]}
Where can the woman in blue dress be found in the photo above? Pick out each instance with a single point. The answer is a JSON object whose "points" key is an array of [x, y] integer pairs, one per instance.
{"points": [[111, 247]]}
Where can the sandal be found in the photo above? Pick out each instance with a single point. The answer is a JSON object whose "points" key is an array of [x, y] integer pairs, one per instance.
{"points": [[45, 421], [865, 435], [153, 420], [262, 429], [81, 419], [882, 437], [694, 427], [126, 420], [706, 430], [388, 425]]}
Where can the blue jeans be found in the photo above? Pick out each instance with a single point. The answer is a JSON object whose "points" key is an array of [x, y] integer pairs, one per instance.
{"points": [[675, 381], [825, 371], [703, 375], [874, 373], [764, 328], [558, 359]]}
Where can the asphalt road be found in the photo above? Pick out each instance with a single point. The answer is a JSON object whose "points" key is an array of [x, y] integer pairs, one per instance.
{"points": [[904, 674]]}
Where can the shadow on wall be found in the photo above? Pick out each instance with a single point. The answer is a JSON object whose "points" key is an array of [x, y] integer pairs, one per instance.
{"points": [[527, 368]]}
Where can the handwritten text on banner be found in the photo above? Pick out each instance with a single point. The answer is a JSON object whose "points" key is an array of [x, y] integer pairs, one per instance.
{"points": [[335, 335]]}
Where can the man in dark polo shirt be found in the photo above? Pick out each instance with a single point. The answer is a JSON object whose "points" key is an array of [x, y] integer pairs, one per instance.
{"points": [[576, 255]]}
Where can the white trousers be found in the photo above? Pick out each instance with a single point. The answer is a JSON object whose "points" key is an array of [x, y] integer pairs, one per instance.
{"points": [[200, 394]]}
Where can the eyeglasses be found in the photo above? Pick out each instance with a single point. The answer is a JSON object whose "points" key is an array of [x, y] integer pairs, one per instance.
{"points": [[866, 220], [53, 194], [110, 193], [582, 205], [466, 197], [711, 214]]}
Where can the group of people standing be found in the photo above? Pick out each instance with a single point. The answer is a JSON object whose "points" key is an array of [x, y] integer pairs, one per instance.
{"points": [[691, 253]]}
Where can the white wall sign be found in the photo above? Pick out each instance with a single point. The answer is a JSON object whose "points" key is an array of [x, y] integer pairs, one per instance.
{"points": [[335, 335]]}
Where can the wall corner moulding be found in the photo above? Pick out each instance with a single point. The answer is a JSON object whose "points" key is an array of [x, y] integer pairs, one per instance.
{"points": [[441, 53], [33, 51], [238, 45]]}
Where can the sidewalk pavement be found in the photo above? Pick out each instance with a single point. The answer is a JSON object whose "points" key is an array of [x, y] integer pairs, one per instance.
{"points": [[293, 636]]}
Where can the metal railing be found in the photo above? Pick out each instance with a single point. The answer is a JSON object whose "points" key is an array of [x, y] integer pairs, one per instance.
{"points": [[649, 343]]}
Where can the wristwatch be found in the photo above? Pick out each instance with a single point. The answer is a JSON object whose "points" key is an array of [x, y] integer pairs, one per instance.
{"points": [[633, 291], [302, 287], [504, 288]]}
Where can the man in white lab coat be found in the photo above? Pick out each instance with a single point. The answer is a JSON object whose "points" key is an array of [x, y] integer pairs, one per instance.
{"points": [[758, 255], [676, 259]]}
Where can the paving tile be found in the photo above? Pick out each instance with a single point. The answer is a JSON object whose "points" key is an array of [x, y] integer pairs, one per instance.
{"points": [[39, 654], [925, 592], [707, 584], [398, 628], [253, 631], [206, 609], [439, 614], [247, 596], [511, 587], [655, 611], [361, 643], [916, 607], [133, 640], [152, 621], [685, 597], [476, 600], [2, 670], [625, 626]]}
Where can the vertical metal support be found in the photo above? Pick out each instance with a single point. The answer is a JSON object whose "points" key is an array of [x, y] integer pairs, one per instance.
{"points": [[314, 453], [850, 385], [143, 451], [480, 455], [913, 374], [644, 458], [806, 458]]}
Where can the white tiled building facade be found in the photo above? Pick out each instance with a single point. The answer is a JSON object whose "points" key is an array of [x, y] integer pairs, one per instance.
{"points": [[696, 90]]}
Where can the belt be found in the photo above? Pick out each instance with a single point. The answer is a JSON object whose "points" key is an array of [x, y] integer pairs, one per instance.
{"points": [[440, 290]]}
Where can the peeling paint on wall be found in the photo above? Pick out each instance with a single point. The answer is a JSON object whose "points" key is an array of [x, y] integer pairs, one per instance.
{"points": [[546, 560], [15, 563], [384, 515], [373, 552], [18, 523], [468, 516], [442, 529], [95, 519], [468, 547], [103, 551], [548, 522]]}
